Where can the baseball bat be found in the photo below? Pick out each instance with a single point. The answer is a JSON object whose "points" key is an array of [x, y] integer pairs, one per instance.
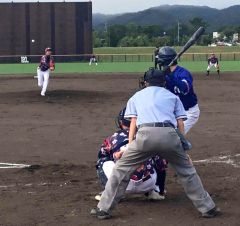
{"points": [[189, 43]]}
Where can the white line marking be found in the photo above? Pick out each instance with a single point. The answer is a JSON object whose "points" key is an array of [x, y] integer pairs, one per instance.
{"points": [[228, 159], [6, 165], [42, 184]]}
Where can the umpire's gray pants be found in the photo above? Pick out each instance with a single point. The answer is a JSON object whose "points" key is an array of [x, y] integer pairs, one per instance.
{"points": [[149, 142]]}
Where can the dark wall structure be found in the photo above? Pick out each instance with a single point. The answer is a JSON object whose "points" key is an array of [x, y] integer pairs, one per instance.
{"points": [[28, 28]]}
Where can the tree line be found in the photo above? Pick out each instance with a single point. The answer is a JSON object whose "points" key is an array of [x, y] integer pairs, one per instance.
{"points": [[133, 35]]}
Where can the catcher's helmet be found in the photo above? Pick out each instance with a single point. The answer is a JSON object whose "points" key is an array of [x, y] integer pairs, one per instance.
{"points": [[120, 120], [165, 55]]}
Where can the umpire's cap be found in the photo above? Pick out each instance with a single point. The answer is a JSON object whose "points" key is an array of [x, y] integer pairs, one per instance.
{"points": [[165, 55], [155, 77]]}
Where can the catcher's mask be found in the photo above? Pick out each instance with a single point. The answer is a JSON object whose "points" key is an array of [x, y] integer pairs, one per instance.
{"points": [[166, 55], [153, 77], [120, 120]]}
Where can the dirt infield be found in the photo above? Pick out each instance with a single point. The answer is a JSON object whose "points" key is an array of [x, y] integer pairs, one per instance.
{"points": [[62, 132]]}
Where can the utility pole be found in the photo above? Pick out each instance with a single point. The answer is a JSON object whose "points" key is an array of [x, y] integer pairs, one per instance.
{"points": [[107, 30], [178, 33]]}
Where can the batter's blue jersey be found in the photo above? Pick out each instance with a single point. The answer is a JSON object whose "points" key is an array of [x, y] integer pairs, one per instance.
{"points": [[180, 82]]}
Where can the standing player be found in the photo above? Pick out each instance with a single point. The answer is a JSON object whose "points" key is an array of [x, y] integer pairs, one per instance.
{"points": [[93, 59], [180, 82], [213, 62], [43, 71]]}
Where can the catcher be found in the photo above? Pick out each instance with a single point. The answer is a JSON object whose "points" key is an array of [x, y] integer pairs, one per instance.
{"points": [[148, 179], [43, 71], [213, 62]]}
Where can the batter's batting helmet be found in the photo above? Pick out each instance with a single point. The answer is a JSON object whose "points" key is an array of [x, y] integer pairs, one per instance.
{"points": [[165, 55], [120, 120]]}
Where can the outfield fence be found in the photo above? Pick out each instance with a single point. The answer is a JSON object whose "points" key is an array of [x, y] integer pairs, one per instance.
{"points": [[234, 56]]}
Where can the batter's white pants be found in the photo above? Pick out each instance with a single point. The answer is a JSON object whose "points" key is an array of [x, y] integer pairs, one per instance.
{"points": [[192, 118], [43, 80], [212, 65], [139, 186]]}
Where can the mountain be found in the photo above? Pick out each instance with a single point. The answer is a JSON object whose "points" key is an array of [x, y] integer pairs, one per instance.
{"points": [[167, 15], [100, 19]]}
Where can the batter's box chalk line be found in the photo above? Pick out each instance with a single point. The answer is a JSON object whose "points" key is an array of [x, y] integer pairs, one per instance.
{"points": [[232, 160], [6, 165]]}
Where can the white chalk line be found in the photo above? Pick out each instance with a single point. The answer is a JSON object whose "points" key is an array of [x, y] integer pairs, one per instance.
{"points": [[227, 159], [7, 165], [42, 184]]}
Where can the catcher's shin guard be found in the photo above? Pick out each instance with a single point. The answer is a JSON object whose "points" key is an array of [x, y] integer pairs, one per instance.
{"points": [[101, 176]]}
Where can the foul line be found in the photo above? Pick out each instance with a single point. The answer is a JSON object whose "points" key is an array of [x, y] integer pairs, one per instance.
{"points": [[227, 159], [6, 165]]}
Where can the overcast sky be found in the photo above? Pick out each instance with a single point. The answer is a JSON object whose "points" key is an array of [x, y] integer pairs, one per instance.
{"points": [[120, 6]]}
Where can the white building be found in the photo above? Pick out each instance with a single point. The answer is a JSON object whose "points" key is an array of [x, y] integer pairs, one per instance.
{"points": [[235, 37], [216, 35]]}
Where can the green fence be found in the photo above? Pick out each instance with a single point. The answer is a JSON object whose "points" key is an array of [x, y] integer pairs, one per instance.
{"points": [[187, 57], [150, 57]]}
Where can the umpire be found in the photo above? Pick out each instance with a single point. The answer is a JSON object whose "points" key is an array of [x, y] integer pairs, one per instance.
{"points": [[156, 112]]}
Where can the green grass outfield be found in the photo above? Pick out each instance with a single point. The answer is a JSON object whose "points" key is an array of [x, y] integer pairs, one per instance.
{"points": [[197, 66]]}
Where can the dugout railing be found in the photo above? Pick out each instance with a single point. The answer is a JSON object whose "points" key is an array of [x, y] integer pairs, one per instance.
{"points": [[234, 56]]}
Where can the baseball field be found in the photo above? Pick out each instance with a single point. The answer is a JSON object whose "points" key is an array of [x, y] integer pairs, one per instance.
{"points": [[60, 135], [110, 67]]}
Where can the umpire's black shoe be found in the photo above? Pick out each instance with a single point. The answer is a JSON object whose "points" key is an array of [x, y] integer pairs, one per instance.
{"points": [[100, 214], [212, 213]]}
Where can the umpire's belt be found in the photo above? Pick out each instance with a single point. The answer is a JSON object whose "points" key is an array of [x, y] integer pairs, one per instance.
{"points": [[156, 124]]}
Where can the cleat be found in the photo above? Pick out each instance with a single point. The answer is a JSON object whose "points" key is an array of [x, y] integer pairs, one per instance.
{"points": [[98, 197], [153, 195], [100, 214], [212, 213]]}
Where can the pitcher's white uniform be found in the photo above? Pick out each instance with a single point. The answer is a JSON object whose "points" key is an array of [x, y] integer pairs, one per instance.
{"points": [[43, 71]]}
